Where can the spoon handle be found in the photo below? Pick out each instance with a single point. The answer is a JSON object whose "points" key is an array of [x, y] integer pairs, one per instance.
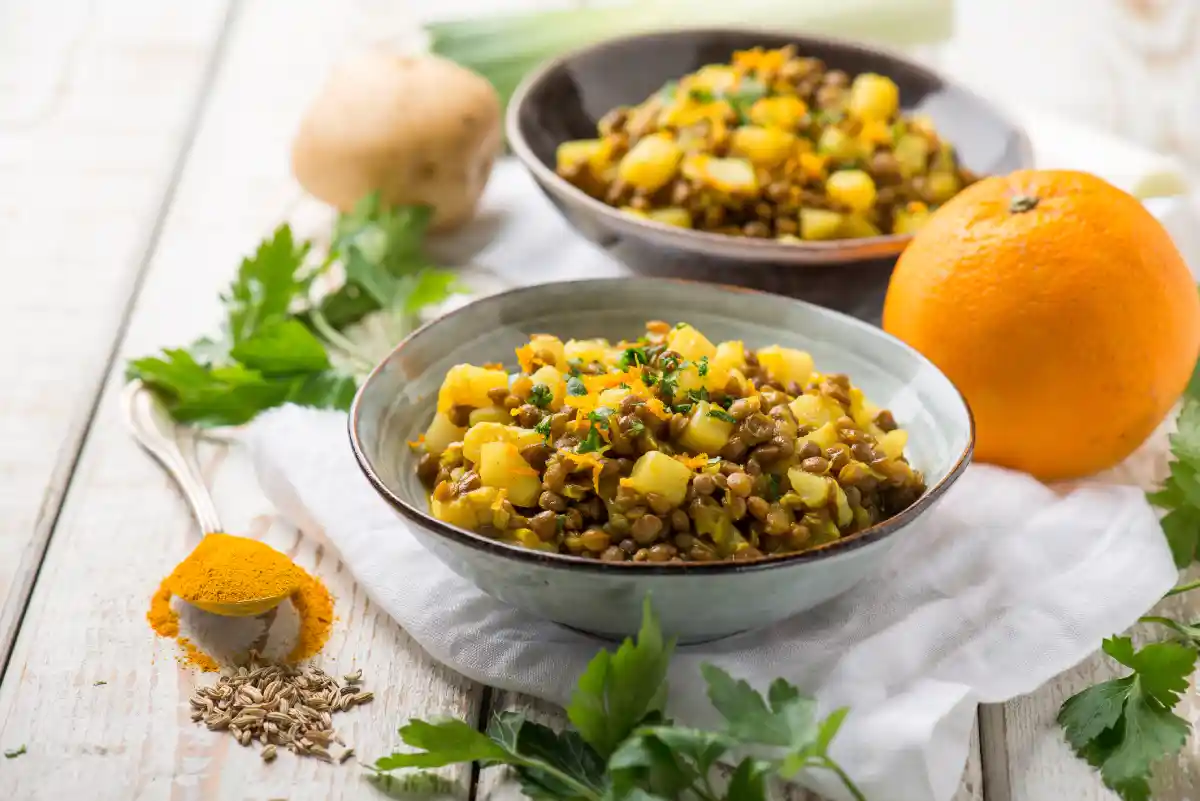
{"points": [[157, 433]]}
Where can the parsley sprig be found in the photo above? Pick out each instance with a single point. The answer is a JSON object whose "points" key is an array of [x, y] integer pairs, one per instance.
{"points": [[280, 345], [621, 747], [1125, 726]]}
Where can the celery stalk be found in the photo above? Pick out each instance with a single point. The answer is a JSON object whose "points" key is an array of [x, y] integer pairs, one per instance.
{"points": [[505, 48]]}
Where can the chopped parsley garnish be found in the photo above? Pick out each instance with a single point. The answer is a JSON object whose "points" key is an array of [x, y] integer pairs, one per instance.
{"points": [[623, 385], [575, 387], [683, 408], [636, 428], [697, 395], [721, 414], [669, 383], [540, 396], [633, 357], [574, 367], [701, 95], [543, 428], [560, 522], [591, 442], [680, 325], [702, 366], [726, 401], [600, 416], [670, 362], [649, 378]]}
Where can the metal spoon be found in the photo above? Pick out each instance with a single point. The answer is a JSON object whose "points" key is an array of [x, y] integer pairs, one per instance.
{"points": [[157, 433]]}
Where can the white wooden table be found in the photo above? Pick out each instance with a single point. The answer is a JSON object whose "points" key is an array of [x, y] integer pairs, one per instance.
{"points": [[143, 151]]}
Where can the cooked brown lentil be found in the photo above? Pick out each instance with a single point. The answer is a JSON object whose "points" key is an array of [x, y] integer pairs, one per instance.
{"points": [[664, 449]]}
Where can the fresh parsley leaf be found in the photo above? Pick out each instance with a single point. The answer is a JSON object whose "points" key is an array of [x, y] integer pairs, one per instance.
{"points": [[13, 753], [680, 325], [701, 95], [328, 389], [636, 427], [543, 428], [540, 396], [682, 408], [1122, 727], [591, 443], [266, 286], [721, 414], [549, 764], [702, 366], [788, 721], [633, 357], [281, 347], [1180, 493], [697, 395], [749, 781], [618, 690], [444, 742], [575, 387], [225, 395]]}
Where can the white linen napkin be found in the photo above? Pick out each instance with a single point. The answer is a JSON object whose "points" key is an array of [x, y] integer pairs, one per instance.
{"points": [[1011, 583]]}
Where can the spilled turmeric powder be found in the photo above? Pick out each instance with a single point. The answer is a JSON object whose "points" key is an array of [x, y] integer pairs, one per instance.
{"points": [[229, 569]]}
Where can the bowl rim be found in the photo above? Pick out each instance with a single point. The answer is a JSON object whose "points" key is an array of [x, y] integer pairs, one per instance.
{"points": [[884, 243], [516, 553]]}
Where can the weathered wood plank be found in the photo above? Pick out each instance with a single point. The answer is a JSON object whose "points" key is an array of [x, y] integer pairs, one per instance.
{"points": [[95, 100], [122, 527]]}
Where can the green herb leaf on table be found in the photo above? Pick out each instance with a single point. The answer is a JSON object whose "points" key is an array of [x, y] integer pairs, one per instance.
{"points": [[276, 345], [1180, 493], [622, 749], [13, 753], [1122, 727]]}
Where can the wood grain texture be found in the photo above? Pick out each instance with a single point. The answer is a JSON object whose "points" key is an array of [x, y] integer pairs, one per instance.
{"points": [[122, 527], [94, 101]]}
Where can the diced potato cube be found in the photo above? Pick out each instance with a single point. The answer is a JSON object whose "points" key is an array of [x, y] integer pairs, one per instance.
{"points": [[820, 224], [690, 343], [845, 516], [645, 215], [705, 433], [824, 437], [873, 97], [733, 176], [942, 186], [501, 466], [490, 414], [912, 153], [729, 356], [553, 380], [838, 144], [468, 385], [910, 219], [579, 152], [716, 78], [545, 344], [586, 350], [611, 398], [656, 472], [862, 411], [765, 147], [812, 489], [786, 364], [651, 163], [892, 443], [815, 410], [856, 226], [456, 512], [441, 433], [527, 539], [782, 111], [852, 188], [483, 433], [673, 215]]}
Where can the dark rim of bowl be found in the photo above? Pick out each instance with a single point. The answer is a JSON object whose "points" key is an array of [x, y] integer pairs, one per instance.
{"points": [[568, 562], [543, 173]]}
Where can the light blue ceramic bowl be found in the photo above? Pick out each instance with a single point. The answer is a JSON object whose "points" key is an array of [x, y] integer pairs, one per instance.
{"points": [[695, 601]]}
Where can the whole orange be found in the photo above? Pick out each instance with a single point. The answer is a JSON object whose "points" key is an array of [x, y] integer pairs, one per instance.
{"points": [[1060, 308]]}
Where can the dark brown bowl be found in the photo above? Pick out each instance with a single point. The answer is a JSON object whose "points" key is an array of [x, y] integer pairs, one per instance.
{"points": [[566, 98]]}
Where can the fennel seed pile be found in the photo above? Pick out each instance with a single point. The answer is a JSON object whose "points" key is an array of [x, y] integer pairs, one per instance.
{"points": [[280, 705]]}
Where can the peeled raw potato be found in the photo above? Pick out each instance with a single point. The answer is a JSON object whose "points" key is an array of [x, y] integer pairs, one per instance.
{"points": [[419, 130]]}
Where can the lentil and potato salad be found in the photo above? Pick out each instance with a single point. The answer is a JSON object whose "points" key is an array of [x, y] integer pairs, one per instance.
{"points": [[667, 448], [772, 145]]}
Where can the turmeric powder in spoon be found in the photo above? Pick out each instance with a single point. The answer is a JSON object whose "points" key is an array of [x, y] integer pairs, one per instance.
{"points": [[235, 576]]}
